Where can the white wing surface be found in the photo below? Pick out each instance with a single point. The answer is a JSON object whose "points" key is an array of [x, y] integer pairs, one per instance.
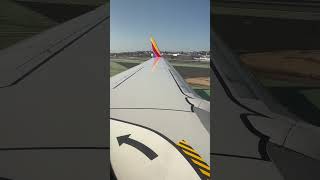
{"points": [[151, 104]]}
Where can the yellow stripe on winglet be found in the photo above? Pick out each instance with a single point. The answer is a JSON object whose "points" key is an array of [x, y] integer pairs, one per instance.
{"points": [[201, 164], [205, 172]]}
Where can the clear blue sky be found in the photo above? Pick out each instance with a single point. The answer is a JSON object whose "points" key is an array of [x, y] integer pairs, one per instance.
{"points": [[175, 24]]}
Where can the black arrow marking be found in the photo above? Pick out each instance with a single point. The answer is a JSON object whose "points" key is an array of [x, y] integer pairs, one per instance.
{"points": [[138, 145]]}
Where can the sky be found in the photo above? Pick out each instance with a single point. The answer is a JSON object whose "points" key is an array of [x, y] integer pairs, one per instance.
{"points": [[176, 25]]}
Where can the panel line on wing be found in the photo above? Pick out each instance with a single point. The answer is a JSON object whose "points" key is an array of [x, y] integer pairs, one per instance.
{"points": [[54, 54], [160, 109], [127, 78], [192, 105], [236, 156]]}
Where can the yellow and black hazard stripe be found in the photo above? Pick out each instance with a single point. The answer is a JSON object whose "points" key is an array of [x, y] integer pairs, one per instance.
{"points": [[201, 166]]}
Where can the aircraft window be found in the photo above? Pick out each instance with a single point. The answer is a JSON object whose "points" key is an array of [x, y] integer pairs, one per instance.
{"points": [[22, 19], [283, 54]]}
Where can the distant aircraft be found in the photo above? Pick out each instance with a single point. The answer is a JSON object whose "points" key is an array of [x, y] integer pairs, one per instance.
{"points": [[205, 59], [159, 127], [254, 137]]}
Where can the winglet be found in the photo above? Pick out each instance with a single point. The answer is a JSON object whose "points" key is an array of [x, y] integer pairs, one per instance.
{"points": [[155, 49]]}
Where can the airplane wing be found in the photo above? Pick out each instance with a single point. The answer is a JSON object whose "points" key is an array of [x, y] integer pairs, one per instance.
{"points": [[254, 136], [52, 89], [159, 127]]}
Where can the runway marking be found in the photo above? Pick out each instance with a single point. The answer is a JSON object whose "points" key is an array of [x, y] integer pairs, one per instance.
{"points": [[194, 156]]}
